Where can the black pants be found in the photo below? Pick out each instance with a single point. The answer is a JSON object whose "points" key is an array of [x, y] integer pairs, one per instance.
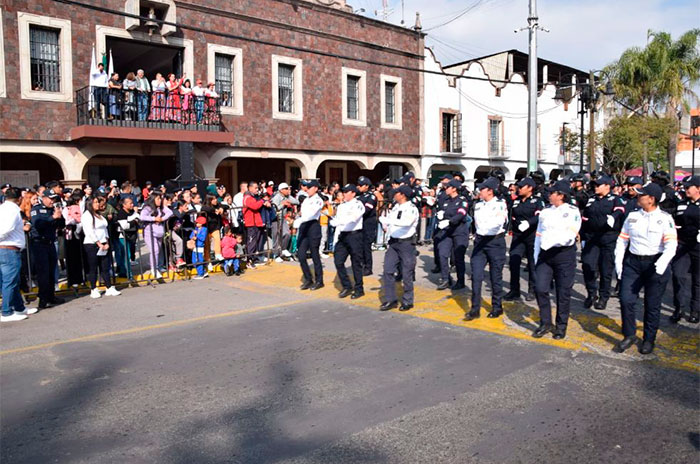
{"points": [[453, 247], [399, 256], [310, 240], [640, 272], [598, 261], [349, 243], [686, 279], [522, 246], [44, 260], [369, 233], [558, 263], [95, 263], [74, 261], [252, 243], [491, 250]]}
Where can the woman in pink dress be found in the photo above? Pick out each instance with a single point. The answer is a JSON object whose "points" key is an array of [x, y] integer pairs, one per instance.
{"points": [[158, 99], [187, 105], [173, 104]]}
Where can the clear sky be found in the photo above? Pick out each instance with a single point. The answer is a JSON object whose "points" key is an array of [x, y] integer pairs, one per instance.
{"points": [[587, 34]]}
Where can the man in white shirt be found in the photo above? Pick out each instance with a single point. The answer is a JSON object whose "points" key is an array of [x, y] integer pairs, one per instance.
{"points": [[98, 84], [348, 241], [198, 92], [143, 89], [309, 236], [12, 241], [400, 226]]}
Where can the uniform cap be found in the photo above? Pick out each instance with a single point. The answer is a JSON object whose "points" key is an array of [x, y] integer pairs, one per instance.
{"points": [[350, 188], [313, 183], [633, 180], [560, 186], [409, 175], [405, 190], [578, 177], [446, 176], [362, 180], [454, 183], [201, 220], [4, 186], [490, 183], [283, 186], [526, 181], [693, 181], [603, 179], [651, 189]]}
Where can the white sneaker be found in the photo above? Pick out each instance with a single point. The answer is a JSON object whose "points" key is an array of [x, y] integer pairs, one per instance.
{"points": [[279, 259], [286, 254], [199, 277], [95, 293], [324, 256], [210, 267], [219, 257], [111, 291], [157, 275], [13, 317], [28, 311]]}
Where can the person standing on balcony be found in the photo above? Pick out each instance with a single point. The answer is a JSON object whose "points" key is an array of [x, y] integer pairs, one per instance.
{"points": [[115, 94], [98, 84], [129, 85], [212, 104], [143, 88], [187, 96], [173, 103], [158, 99], [198, 94]]}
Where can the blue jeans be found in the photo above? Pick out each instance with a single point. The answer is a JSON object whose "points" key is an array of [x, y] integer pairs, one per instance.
{"points": [[233, 263], [142, 102], [10, 265], [199, 108]]}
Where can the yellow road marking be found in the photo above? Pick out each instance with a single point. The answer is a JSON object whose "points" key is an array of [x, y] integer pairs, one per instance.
{"points": [[146, 328]]}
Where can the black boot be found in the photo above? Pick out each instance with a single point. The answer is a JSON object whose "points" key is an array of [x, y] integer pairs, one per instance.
{"points": [[625, 343], [542, 330], [601, 303], [588, 302], [471, 315], [676, 316], [511, 296]]}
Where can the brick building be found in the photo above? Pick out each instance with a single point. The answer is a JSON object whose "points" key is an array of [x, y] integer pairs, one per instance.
{"points": [[306, 89]]}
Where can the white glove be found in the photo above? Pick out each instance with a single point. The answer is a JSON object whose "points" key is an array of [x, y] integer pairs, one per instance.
{"points": [[523, 226], [698, 237], [440, 215], [443, 224], [618, 271], [660, 267], [296, 223], [536, 256], [611, 221], [383, 219], [333, 222]]}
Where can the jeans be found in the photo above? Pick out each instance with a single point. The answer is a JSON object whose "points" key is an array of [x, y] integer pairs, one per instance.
{"points": [[10, 265], [142, 102]]}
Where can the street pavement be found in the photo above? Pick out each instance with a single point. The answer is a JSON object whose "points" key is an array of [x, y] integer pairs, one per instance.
{"points": [[252, 370]]}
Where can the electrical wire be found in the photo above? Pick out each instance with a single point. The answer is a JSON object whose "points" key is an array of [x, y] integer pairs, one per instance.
{"points": [[459, 15]]}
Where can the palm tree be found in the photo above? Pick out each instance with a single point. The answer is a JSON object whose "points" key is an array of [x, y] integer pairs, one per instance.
{"points": [[658, 80]]}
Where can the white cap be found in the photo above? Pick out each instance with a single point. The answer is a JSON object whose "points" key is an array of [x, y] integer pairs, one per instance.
{"points": [[282, 186], [114, 182], [271, 183]]}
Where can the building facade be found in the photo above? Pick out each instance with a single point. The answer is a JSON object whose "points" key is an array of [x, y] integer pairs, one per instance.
{"points": [[305, 89]]}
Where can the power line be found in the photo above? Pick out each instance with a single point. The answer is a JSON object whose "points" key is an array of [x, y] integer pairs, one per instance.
{"points": [[272, 44], [459, 15]]}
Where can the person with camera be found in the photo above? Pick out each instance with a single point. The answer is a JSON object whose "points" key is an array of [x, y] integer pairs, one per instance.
{"points": [[45, 221]]}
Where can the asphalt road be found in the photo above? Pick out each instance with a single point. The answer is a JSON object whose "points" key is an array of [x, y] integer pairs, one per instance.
{"points": [[230, 371]]}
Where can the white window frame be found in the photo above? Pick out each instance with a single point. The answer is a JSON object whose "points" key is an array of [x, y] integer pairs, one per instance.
{"points": [[3, 88], [361, 120], [298, 90], [24, 20], [237, 93], [398, 102]]}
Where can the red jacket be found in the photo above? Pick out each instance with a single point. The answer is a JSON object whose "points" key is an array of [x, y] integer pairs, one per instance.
{"points": [[251, 211]]}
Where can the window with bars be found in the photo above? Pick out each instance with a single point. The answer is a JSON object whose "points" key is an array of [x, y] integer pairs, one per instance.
{"points": [[223, 75], [447, 119], [285, 88], [45, 63], [494, 137], [353, 83], [389, 102]]}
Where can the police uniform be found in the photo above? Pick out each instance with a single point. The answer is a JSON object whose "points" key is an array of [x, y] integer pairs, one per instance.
{"points": [[555, 255], [644, 249], [453, 233], [524, 217], [686, 264], [309, 239], [348, 241], [42, 247], [602, 218], [439, 201], [491, 222], [369, 225], [400, 255]]}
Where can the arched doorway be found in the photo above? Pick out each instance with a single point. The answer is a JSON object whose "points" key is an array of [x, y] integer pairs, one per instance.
{"points": [[29, 169], [520, 173], [232, 171], [437, 170]]}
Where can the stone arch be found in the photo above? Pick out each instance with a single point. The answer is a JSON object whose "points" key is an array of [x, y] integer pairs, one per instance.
{"points": [[437, 169], [70, 159], [520, 173]]}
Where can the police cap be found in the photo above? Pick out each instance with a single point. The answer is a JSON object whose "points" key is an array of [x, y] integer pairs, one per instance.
{"points": [[313, 183], [490, 183], [4, 186], [404, 190], [603, 179], [446, 176], [651, 189], [526, 181], [350, 188], [578, 177], [693, 181], [560, 186], [454, 183], [362, 180], [634, 180], [661, 177]]}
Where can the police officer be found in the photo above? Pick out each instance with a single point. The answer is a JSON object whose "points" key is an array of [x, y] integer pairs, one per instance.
{"points": [[502, 191], [538, 177], [602, 218], [524, 215], [309, 236], [348, 230], [45, 220], [555, 254], [491, 222], [400, 226], [668, 197], [643, 251], [579, 194], [439, 214], [453, 233], [369, 222], [629, 197], [686, 264]]}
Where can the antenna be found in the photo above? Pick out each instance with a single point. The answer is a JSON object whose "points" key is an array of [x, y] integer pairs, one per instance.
{"points": [[385, 12]]}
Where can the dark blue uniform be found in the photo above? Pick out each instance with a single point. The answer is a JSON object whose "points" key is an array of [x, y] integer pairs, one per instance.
{"points": [[369, 229], [686, 263], [42, 248], [441, 197], [454, 239], [597, 255], [523, 244], [630, 204]]}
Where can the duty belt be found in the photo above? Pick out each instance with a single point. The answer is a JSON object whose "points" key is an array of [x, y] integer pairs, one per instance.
{"points": [[491, 236], [43, 241], [646, 257], [399, 240]]}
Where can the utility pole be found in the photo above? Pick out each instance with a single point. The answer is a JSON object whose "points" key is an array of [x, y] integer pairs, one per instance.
{"points": [[591, 121], [532, 87]]}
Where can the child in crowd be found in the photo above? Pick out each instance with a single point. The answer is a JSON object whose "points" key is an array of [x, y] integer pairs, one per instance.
{"points": [[228, 249], [198, 238]]}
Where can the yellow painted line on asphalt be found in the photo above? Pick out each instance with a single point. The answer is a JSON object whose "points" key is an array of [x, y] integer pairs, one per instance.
{"points": [[147, 328], [676, 347]]}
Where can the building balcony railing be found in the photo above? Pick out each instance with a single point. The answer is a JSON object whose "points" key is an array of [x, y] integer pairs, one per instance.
{"points": [[498, 150], [98, 106]]}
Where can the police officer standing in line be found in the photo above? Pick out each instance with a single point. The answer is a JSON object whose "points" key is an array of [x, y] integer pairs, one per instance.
{"points": [[686, 264], [629, 197], [45, 220], [650, 234], [538, 177], [309, 236], [555, 255], [400, 256], [348, 230], [524, 216], [453, 233], [668, 197], [579, 194], [602, 218], [491, 222], [369, 222], [439, 214]]}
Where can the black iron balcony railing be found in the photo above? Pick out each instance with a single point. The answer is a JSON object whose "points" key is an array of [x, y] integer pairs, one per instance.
{"points": [[99, 106]]}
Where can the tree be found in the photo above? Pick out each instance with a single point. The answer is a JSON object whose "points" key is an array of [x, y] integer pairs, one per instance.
{"points": [[658, 80]]}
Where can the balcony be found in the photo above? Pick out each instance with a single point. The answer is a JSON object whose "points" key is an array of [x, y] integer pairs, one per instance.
{"points": [[498, 150], [148, 116]]}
